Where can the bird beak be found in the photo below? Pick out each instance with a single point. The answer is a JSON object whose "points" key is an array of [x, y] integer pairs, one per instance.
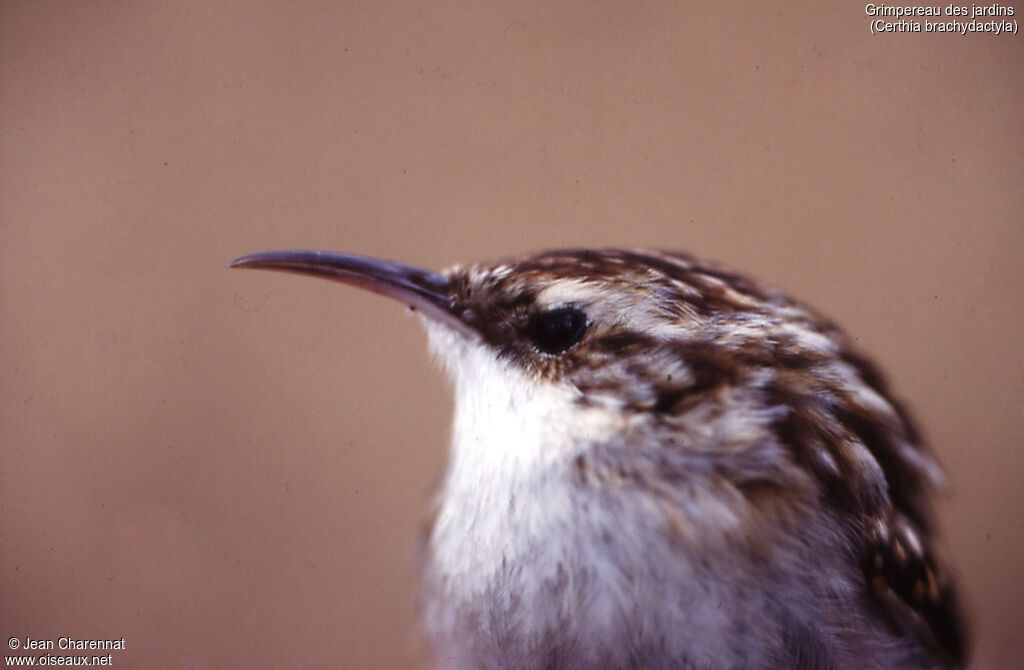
{"points": [[420, 289]]}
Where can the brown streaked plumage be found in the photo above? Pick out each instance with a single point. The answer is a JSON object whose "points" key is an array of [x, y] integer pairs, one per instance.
{"points": [[660, 463]]}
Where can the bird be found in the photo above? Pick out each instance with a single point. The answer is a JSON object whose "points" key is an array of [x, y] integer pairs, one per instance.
{"points": [[658, 462]]}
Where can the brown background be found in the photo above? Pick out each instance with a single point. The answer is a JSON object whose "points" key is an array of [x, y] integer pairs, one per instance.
{"points": [[227, 468]]}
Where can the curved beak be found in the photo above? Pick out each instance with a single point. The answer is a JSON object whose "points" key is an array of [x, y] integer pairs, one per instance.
{"points": [[420, 289]]}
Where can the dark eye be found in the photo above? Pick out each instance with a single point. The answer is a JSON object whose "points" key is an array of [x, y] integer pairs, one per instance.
{"points": [[556, 330]]}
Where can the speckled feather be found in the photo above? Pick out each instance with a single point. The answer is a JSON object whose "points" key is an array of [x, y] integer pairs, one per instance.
{"points": [[711, 477]]}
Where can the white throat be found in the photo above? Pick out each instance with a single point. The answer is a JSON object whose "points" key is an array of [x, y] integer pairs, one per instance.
{"points": [[508, 426]]}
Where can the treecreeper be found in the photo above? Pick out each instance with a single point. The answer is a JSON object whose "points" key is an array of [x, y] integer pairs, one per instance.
{"points": [[659, 463]]}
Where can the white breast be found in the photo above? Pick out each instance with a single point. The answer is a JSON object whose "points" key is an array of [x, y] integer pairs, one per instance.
{"points": [[518, 549]]}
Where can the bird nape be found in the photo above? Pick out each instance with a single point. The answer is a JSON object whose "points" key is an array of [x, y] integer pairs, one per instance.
{"points": [[660, 463]]}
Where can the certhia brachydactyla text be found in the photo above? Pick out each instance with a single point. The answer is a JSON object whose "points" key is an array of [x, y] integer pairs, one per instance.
{"points": [[657, 463]]}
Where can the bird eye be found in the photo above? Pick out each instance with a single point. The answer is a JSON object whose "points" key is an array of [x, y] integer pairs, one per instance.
{"points": [[554, 331]]}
